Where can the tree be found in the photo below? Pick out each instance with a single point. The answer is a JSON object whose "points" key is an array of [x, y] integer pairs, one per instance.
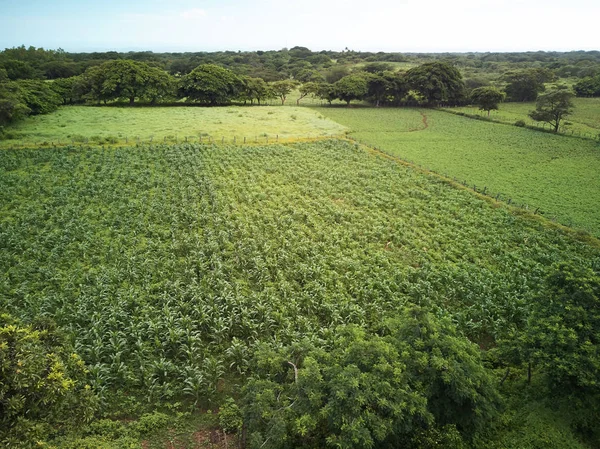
{"points": [[283, 88], [309, 75], [553, 106], [588, 87], [256, 89], [351, 87], [524, 85], [65, 88], [487, 98], [377, 67], [414, 380], [336, 73], [310, 88], [42, 383], [126, 79], [38, 96], [378, 88], [437, 82], [12, 105], [326, 92], [209, 83], [562, 336]]}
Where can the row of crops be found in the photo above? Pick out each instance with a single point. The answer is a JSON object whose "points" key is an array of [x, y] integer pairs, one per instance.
{"points": [[167, 265]]}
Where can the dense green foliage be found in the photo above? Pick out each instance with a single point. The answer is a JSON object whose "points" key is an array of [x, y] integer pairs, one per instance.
{"points": [[18, 99], [588, 87], [564, 184], [177, 268], [525, 85], [437, 82], [42, 383], [487, 98], [563, 333], [351, 87], [553, 106], [416, 378], [210, 84]]}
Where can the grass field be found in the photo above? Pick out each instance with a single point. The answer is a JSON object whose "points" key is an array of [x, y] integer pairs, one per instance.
{"points": [[557, 174], [585, 119], [120, 124]]}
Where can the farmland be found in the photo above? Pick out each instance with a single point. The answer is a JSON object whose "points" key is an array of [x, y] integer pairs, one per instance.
{"points": [[585, 119], [556, 174], [162, 261], [119, 125]]}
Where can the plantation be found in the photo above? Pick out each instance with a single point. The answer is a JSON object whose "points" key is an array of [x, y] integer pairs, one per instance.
{"points": [[556, 175], [119, 125], [171, 267]]}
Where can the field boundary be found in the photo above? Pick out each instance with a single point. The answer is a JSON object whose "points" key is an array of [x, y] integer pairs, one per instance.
{"points": [[259, 139]]}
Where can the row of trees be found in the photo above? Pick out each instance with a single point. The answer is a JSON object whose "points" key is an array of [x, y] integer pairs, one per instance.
{"points": [[131, 81], [429, 84]]}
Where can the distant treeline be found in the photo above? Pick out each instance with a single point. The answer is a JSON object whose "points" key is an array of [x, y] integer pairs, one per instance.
{"points": [[36, 81]]}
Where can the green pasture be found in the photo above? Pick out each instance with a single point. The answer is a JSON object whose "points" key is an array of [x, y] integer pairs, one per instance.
{"points": [[585, 119], [557, 174], [113, 124]]}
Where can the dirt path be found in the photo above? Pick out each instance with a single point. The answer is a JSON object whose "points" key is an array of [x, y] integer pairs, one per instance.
{"points": [[425, 124]]}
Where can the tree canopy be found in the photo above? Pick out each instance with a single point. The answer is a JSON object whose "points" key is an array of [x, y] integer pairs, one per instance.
{"points": [[415, 378], [525, 85], [351, 87], [553, 106], [487, 98], [211, 84], [438, 82]]}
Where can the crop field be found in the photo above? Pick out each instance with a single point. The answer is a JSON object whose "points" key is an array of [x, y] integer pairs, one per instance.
{"points": [[585, 119], [89, 124], [557, 174], [169, 264]]}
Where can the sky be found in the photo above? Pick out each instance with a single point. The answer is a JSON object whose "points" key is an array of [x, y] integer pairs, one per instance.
{"points": [[376, 25]]}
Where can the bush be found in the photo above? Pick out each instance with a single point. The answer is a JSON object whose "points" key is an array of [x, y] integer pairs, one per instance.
{"points": [[43, 383], [520, 123]]}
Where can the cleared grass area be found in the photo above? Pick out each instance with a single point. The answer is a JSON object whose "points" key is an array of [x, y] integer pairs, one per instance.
{"points": [[557, 174], [585, 119], [118, 125]]}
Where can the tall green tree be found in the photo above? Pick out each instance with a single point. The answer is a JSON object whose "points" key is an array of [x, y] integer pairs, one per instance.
{"points": [[415, 379], [210, 84], [487, 98], [126, 79], [553, 106], [306, 89], [588, 87], [351, 87], [524, 85], [562, 336], [282, 89], [437, 82]]}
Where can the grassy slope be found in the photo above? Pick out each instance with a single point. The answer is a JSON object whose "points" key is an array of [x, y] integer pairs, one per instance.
{"points": [[555, 173], [79, 122], [585, 118]]}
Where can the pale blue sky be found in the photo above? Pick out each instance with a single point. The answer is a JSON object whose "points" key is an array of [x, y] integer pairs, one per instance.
{"points": [[386, 25]]}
